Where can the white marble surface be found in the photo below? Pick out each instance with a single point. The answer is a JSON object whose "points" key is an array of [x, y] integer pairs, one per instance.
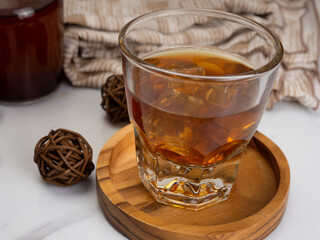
{"points": [[31, 209]]}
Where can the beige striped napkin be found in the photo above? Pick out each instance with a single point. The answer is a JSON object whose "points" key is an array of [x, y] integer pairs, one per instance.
{"points": [[91, 52]]}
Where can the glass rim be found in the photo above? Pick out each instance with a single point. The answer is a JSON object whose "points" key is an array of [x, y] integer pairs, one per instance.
{"points": [[272, 63]]}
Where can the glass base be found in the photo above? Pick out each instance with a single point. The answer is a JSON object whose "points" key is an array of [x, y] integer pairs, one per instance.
{"points": [[190, 187]]}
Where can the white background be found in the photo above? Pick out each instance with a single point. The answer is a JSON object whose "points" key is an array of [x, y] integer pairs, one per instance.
{"points": [[31, 209]]}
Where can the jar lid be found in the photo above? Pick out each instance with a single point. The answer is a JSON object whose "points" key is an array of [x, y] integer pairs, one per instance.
{"points": [[21, 8]]}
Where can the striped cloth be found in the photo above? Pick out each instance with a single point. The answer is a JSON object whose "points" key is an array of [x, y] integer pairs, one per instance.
{"points": [[91, 52]]}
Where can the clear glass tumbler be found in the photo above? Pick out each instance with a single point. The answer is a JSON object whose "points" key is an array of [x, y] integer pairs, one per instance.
{"points": [[197, 83]]}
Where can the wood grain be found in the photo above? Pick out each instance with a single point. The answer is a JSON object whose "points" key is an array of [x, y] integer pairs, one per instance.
{"points": [[253, 210]]}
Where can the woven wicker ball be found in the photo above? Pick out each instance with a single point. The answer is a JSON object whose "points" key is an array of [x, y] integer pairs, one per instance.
{"points": [[63, 157], [114, 99]]}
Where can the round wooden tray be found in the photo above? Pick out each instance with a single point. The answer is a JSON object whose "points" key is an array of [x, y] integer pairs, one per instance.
{"points": [[254, 209]]}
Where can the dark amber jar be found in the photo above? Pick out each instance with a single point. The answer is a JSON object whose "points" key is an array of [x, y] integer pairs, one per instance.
{"points": [[31, 34]]}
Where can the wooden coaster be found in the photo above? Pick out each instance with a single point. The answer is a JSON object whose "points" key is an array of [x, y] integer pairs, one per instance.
{"points": [[254, 209]]}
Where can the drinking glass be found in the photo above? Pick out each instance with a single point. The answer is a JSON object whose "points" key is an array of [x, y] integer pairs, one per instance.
{"points": [[197, 82]]}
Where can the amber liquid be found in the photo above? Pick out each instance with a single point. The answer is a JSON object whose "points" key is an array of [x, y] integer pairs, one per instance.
{"points": [[30, 50], [194, 122]]}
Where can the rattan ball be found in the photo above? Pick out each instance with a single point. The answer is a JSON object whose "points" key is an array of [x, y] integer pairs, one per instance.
{"points": [[114, 99], [63, 157]]}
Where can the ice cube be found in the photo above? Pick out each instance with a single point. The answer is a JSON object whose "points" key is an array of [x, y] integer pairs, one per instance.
{"points": [[194, 105], [186, 134], [188, 88], [171, 98], [197, 71]]}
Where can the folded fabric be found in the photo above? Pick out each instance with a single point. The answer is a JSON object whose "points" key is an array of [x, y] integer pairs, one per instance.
{"points": [[91, 52]]}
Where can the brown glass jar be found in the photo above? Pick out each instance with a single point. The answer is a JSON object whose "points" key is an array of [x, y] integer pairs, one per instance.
{"points": [[31, 34]]}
